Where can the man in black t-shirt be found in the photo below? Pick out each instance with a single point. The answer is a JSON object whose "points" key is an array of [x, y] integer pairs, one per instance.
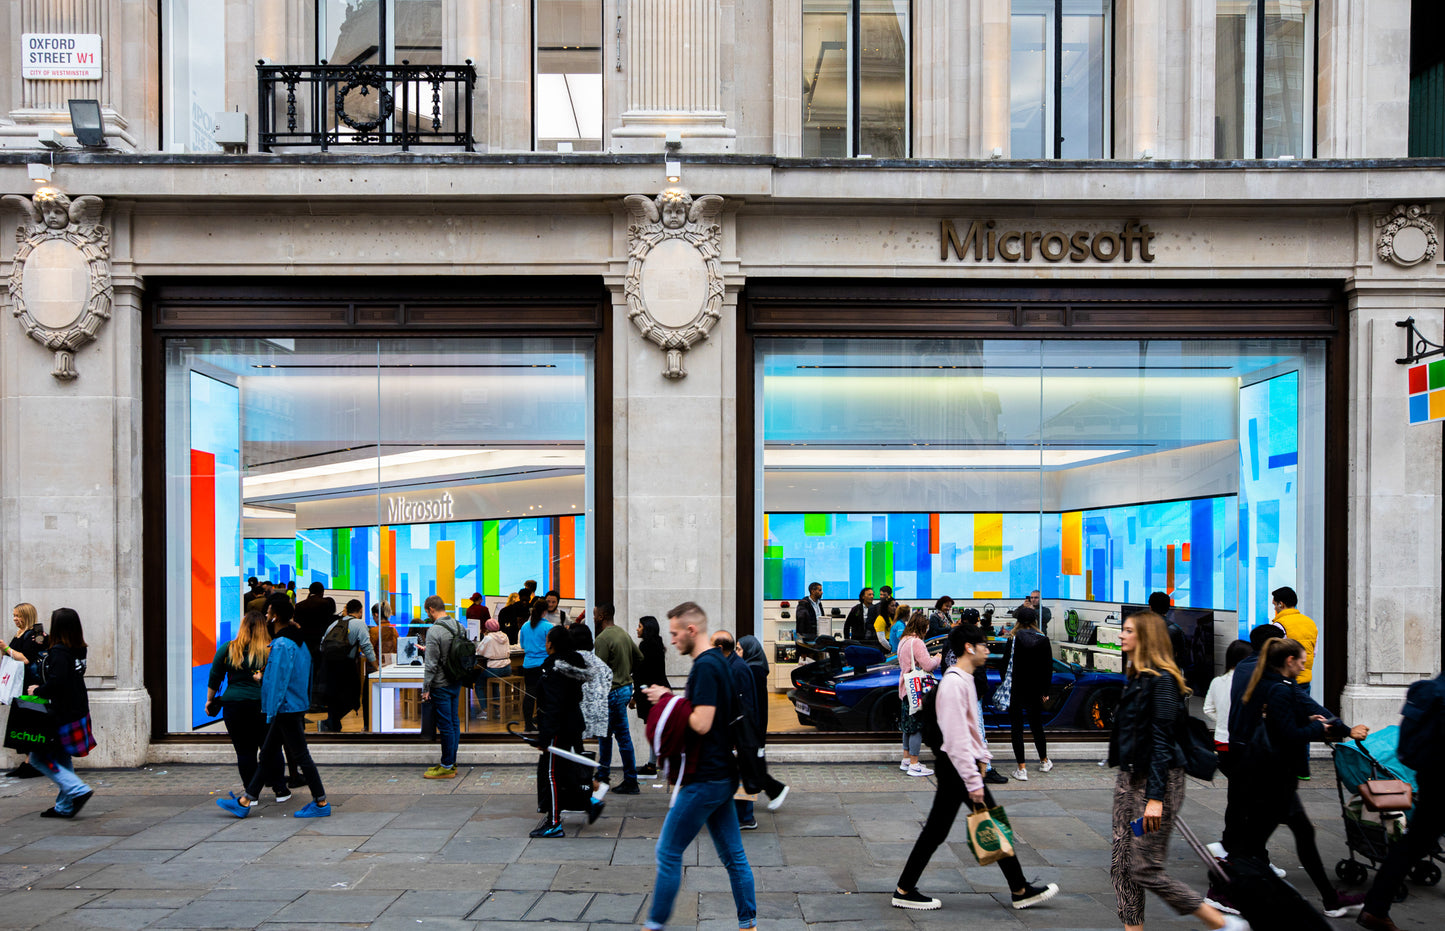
{"points": [[704, 796]]}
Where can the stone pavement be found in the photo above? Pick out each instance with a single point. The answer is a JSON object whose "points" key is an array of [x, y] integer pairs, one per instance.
{"points": [[153, 851]]}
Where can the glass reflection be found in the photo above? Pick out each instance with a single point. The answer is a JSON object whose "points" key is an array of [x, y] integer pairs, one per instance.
{"points": [[1275, 93], [568, 90], [1058, 78], [871, 78]]}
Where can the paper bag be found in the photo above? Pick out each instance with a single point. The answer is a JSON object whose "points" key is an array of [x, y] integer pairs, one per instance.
{"points": [[989, 835]]}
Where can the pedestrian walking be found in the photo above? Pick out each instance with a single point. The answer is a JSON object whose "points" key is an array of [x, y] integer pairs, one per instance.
{"points": [[441, 685], [651, 671], [961, 763], [1217, 701], [596, 686], [912, 654], [239, 662], [1149, 789], [1033, 677], [561, 784], [285, 699], [26, 648], [62, 684], [533, 638], [346, 639], [704, 794], [1271, 769], [750, 651], [622, 655]]}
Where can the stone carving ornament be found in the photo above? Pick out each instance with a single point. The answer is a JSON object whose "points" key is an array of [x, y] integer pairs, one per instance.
{"points": [[674, 284], [60, 285], [1407, 236]]}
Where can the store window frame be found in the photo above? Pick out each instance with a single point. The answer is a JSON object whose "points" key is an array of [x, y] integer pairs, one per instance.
{"points": [[1054, 100], [537, 51], [378, 308], [855, 82], [1309, 135], [880, 309]]}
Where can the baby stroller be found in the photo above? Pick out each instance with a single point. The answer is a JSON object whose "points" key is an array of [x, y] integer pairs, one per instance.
{"points": [[1357, 762]]}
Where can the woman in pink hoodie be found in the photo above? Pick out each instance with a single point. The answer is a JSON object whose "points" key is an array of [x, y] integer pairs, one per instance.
{"points": [[961, 763]]}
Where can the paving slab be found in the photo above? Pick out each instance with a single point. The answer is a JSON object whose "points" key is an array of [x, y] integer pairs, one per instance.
{"points": [[336, 907]]}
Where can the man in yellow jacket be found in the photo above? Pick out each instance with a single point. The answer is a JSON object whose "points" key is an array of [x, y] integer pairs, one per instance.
{"points": [[1296, 627]]}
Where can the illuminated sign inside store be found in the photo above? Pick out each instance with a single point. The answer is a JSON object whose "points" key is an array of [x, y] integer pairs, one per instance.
{"points": [[400, 510], [59, 57], [986, 242]]}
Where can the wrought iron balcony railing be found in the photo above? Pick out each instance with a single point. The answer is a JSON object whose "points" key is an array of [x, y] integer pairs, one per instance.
{"points": [[399, 106]]}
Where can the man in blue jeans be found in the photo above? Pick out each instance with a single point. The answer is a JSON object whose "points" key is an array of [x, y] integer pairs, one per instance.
{"points": [[618, 650], [438, 688], [705, 796]]}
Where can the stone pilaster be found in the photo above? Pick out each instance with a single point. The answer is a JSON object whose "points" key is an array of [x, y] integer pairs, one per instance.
{"points": [[1364, 79], [671, 53]]}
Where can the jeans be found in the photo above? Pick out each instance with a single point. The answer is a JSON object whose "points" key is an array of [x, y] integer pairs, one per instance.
{"points": [[286, 730], [1427, 823], [617, 726], [951, 794], [449, 728], [700, 803], [246, 725], [56, 765]]}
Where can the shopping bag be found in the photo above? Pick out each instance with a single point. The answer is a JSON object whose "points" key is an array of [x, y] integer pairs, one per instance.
{"points": [[12, 679], [990, 836], [916, 684], [30, 726], [76, 738], [1004, 693]]}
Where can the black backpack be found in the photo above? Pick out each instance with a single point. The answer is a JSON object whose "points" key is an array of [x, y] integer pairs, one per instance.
{"points": [[747, 743], [1420, 725], [337, 642], [460, 660], [926, 717]]}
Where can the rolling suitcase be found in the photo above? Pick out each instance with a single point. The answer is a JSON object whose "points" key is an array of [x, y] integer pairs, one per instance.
{"points": [[1263, 899]]}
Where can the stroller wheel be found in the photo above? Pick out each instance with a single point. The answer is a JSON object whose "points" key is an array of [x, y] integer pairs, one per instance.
{"points": [[1352, 872], [1402, 893], [1425, 873]]}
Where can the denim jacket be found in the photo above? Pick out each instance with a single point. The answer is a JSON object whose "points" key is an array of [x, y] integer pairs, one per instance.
{"points": [[286, 681]]}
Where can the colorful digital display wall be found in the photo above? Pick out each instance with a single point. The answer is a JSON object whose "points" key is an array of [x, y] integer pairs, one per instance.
{"points": [[215, 526], [1268, 494], [412, 561], [1116, 554]]}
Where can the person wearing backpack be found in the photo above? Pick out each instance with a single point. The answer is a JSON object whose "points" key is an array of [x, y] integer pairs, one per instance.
{"points": [[1422, 748], [446, 666], [344, 640], [950, 718]]}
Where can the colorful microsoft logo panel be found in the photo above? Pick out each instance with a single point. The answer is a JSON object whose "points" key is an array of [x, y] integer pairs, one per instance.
{"points": [[1120, 554], [1427, 392]]}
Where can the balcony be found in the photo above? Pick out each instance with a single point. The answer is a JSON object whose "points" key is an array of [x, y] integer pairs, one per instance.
{"points": [[405, 106]]}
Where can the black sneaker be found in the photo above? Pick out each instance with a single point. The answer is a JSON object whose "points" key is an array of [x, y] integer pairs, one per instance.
{"points": [[296, 780], [1033, 895], [994, 777], [629, 787], [283, 795], [915, 899], [594, 811], [748, 826], [649, 770], [24, 771], [548, 828], [79, 802]]}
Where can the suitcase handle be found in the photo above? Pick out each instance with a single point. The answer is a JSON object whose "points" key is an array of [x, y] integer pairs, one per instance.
{"points": [[1202, 852]]}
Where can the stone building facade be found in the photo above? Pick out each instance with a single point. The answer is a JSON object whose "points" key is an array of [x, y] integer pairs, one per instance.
{"points": [[783, 230]]}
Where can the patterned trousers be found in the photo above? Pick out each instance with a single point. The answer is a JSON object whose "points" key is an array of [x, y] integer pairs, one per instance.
{"points": [[1138, 862]]}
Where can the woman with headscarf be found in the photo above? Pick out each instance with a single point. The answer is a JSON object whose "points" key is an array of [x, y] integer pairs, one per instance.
{"points": [[496, 653], [751, 651], [651, 671], [560, 783]]}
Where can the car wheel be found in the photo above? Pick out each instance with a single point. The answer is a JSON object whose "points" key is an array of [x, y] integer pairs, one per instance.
{"points": [[885, 714], [1098, 713]]}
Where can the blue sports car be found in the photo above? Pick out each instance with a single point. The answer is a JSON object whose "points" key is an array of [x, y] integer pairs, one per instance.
{"points": [[832, 694]]}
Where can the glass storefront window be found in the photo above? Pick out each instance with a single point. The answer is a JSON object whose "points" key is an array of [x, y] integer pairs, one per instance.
{"points": [[1264, 79], [1091, 472], [568, 90], [385, 470], [194, 72], [857, 93], [1059, 98]]}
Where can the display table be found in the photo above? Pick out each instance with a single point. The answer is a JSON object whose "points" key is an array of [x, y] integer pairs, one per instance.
{"points": [[382, 708]]}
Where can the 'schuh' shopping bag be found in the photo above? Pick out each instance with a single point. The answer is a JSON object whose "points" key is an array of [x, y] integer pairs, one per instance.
{"points": [[990, 836], [30, 725]]}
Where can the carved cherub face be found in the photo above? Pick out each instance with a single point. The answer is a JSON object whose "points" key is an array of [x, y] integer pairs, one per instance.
{"points": [[674, 209], [54, 209]]}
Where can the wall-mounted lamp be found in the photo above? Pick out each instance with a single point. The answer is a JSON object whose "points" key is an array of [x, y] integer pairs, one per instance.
{"points": [[87, 123], [40, 173], [674, 171], [673, 140]]}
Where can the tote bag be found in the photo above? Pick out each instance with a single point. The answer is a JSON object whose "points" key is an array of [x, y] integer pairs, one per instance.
{"points": [[916, 684], [1003, 695], [990, 836], [12, 679], [30, 725]]}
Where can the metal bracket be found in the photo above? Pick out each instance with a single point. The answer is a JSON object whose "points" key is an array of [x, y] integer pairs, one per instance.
{"points": [[1417, 347]]}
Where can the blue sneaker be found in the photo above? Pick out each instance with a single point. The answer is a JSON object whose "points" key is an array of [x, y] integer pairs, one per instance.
{"points": [[234, 806], [313, 810]]}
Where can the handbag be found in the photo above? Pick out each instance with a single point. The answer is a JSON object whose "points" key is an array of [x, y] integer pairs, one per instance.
{"points": [[1197, 742], [12, 679], [1260, 749], [1003, 695], [76, 737], [30, 726], [916, 684], [1387, 795], [990, 836]]}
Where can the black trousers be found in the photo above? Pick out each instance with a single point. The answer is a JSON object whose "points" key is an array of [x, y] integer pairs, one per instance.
{"points": [[949, 798], [562, 785], [1419, 842], [530, 678], [246, 726], [1272, 803], [287, 730], [1035, 711]]}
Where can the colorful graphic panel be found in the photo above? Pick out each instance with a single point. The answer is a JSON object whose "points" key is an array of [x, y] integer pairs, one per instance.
{"points": [[1268, 494], [215, 508], [1113, 554], [1427, 392]]}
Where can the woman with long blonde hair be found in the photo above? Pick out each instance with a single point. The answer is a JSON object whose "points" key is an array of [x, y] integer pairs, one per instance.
{"points": [[25, 648], [239, 661], [1150, 785]]}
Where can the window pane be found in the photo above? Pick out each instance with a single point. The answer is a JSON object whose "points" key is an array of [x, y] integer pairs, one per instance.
{"points": [[883, 83], [1234, 55], [568, 89], [826, 59], [351, 32], [195, 69], [1085, 64], [1289, 70], [1030, 85], [417, 35]]}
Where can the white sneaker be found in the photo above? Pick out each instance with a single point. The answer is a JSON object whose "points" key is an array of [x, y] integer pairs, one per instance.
{"points": [[1277, 871], [1047, 765], [1022, 775], [1233, 923], [918, 769], [905, 764], [1218, 850]]}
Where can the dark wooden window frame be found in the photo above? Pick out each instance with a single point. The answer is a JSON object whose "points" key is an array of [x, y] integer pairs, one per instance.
{"points": [[362, 308], [882, 309]]}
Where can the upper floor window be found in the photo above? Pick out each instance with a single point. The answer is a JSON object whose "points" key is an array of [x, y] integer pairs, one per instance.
{"points": [[1059, 100], [193, 70], [379, 32], [856, 78], [1264, 79], [567, 93]]}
